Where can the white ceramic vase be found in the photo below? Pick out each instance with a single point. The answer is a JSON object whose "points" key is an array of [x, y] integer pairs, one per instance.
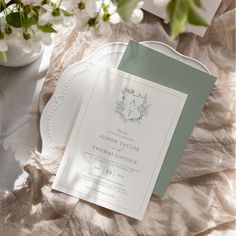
{"points": [[17, 57]]}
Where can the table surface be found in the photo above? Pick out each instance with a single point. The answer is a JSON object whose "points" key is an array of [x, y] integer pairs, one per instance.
{"points": [[19, 117]]}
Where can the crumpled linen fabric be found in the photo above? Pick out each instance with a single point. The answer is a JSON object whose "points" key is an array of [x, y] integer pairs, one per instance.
{"points": [[201, 197]]}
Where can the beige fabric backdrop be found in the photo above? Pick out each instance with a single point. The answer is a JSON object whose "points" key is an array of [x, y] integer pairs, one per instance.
{"points": [[201, 197]]}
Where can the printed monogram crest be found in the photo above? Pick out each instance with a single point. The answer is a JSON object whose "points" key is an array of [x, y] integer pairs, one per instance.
{"points": [[132, 106]]}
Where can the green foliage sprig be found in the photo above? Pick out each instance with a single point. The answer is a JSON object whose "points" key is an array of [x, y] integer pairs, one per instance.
{"points": [[181, 12]]}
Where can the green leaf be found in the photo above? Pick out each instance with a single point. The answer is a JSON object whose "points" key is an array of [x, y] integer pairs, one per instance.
{"points": [[177, 11], [47, 28], [36, 9], [125, 8], [14, 19], [195, 18], [3, 57], [32, 21]]}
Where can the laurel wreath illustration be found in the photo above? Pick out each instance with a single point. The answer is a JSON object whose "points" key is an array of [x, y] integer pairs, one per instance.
{"points": [[121, 106]]}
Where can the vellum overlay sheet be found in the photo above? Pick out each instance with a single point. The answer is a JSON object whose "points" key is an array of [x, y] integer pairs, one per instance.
{"points": [[119, 141]]}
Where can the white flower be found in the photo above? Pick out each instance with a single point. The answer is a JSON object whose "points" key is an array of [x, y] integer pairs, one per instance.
{"points": [[70, 5], [137, 16], [88, 12], [33, 43], [44, 18], [98, 13], [81, 19], [16, 39], [47, 16], [39, 36], [115, 18]]}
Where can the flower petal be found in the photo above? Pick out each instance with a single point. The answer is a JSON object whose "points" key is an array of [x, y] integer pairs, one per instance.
{"points": [[137, 16], [115, 18]]}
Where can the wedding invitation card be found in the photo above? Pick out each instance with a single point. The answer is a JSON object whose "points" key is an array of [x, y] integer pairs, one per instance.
{"points": [[119, 141], [154, 66]]}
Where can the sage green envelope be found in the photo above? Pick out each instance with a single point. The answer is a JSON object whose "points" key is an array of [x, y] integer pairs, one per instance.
{"points": [[157, 67]]}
